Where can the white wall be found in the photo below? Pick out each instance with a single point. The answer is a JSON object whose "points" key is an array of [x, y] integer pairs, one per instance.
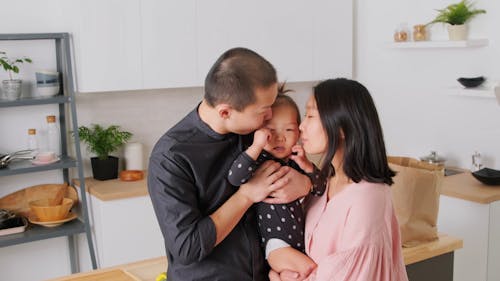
{"points": [[410, 85]]}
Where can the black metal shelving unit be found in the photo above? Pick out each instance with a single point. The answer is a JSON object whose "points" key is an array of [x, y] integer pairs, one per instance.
{"points": [[66, 101]]}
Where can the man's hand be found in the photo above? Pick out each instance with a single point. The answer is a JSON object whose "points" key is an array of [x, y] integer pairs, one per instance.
{"points": [[262, 183], [289, 187]]}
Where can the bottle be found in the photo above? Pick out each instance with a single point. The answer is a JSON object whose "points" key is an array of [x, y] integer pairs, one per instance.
{"points": [[32, 141], [476, 162], [53, 134]]}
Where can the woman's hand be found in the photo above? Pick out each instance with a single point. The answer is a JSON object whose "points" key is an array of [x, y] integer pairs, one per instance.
{"points": [[285, 275]]}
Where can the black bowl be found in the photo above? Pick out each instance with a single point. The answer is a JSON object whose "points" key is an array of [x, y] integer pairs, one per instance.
{"points": [[12, 222], [488, 176], [471, 82]]}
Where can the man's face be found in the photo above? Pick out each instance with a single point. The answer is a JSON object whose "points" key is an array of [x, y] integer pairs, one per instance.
{"points": [[253, 116]]}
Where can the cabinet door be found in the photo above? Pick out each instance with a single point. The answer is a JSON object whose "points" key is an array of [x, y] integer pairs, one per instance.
{"points": [[107, 45], [332, 52], [295, 36], [168, 43]]}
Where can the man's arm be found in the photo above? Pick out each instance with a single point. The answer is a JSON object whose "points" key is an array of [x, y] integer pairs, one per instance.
{"points": [[255, 190]]}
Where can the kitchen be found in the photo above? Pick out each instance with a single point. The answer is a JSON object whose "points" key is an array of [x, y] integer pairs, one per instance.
{"points": [[411, 88]]}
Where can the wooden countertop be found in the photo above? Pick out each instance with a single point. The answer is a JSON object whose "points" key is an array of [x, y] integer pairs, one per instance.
{"points": [[443, 245], [465, 186], [147, 270], [115, 189]]}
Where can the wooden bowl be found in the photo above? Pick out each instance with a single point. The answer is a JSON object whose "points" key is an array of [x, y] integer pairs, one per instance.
{"points": [[45, 210], [131, 175]]}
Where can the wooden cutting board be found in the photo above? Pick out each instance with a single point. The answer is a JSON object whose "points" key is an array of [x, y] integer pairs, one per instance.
{"points": [[18, 202]]}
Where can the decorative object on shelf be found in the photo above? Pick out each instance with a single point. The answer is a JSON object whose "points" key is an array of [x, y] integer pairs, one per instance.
{"points": [[476, 162], [419, 32], [433, 159], [53, 135], [47, 83], [487, 176], [102, 141], [131, 175], [13, 225], [456, 16], [471, 82], [51, 209], [32, 141], [11, 88], [45, 158], [402, 33], [133, 155], [53, 223], [5, 159], [18, 202], [6, 214]]}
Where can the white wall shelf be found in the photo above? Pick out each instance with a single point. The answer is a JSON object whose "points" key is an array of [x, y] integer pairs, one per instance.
{"points": [[479, 92], [471, 43]]}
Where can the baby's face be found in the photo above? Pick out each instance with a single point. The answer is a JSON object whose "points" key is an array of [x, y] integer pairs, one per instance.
{"points": [[284, 131]]}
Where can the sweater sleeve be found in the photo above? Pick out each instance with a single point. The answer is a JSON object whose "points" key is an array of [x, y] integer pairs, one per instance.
{"points": [[241, 170], [318, 180], [189, 234], [368, 262]]}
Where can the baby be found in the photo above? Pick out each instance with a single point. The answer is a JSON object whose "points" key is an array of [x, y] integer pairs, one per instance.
{"points": [[281, 226]]}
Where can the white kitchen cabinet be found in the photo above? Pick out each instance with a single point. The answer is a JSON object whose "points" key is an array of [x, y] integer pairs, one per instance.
{"points": [[168, 43], [124, 229], [471, 211], [151, 44], [107, 42], [305, 41]]}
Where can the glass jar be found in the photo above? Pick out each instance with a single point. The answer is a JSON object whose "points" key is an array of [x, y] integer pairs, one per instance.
{"points": [[419, 32], [401, 34]]}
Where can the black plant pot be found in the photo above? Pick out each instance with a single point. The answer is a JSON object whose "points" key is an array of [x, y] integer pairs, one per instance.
{"points": [[104, 169]]}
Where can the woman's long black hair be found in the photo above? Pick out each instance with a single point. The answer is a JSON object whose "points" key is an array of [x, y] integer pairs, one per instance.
{"points": [[346, 106]]}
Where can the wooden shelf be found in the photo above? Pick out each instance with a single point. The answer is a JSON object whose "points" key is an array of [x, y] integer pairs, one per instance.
{"points": [[471, 43]]}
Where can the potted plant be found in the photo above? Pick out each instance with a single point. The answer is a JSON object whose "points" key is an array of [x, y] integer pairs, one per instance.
{"points": [[456, 16], [102, 141], [12, 87]]}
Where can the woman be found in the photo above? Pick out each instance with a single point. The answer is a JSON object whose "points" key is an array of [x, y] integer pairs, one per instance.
{"points": [[351, 231]]}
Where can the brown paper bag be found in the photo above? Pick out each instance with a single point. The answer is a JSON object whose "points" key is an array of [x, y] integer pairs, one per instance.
{"points": [[415, 193]]}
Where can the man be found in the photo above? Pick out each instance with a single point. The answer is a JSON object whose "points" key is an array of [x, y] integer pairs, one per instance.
{"points": [[209, 226]]}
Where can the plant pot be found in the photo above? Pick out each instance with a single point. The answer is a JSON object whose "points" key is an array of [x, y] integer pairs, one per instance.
{"points": [[104, 169], [11, 89], [457, 32]]}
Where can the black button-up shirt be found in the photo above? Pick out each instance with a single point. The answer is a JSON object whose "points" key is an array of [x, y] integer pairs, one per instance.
{"points": [[187, 182]]}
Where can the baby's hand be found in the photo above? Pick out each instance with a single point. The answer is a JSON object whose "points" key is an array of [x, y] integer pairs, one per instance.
{"points": [[261, 137], [299, 156]]}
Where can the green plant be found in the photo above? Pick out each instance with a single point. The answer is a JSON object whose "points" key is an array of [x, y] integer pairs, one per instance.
{"points": [[10, 64], [102, 141], [457, 14]]}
